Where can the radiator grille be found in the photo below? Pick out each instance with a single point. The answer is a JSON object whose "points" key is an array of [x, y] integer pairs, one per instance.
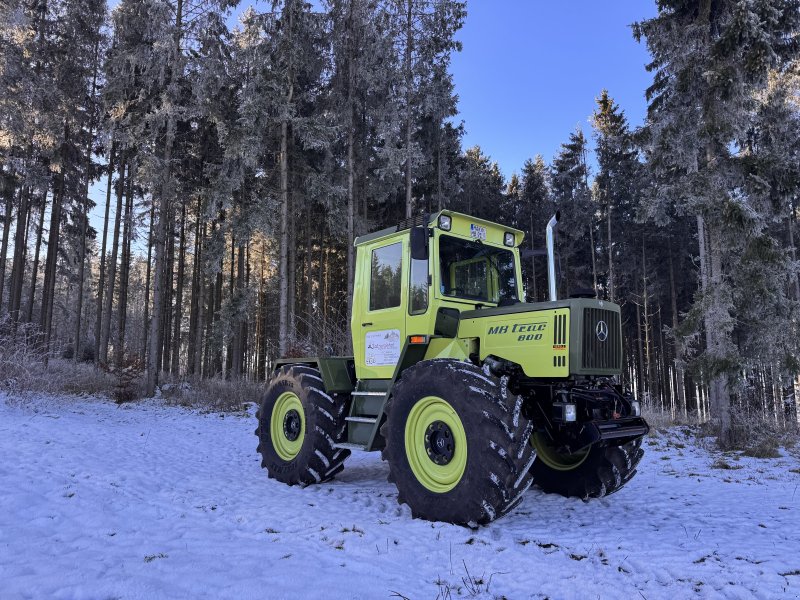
{"points": [[599, 353]]}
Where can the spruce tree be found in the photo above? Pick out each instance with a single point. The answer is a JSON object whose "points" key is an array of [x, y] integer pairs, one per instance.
{"points": [[482, 185], [536, 208], [616, 183], [709, 61], [571, 195]]}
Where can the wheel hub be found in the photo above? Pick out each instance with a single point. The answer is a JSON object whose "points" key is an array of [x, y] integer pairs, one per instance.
{"points": [[287, 426], [439, 443], [436, 444], [292, 425]]}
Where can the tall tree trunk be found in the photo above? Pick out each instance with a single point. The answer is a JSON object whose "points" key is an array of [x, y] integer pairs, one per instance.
{"points": [[18, 264], [283, 308], [101, 282], [232, 341], [719, 400], [85, 209], [159, 284], [648, 366], [326, 285], [209, 324], [198, 330], [124, 270], [680, 390], [147, 278], [217, 317], [176, 333], [8, 194], [169, 292], [81, 278], [292, 272], [350, 162], [237, 343], [640, 379], [49, 285], [48, 290], [663, 384], [105, 327], [309, 274], [439, 165], [245, 323], [195, 303], [161, 234], [35, 269], [350, 226], [261, 319], [198, 339], [409, 82], [795, 278], [790, 405]]}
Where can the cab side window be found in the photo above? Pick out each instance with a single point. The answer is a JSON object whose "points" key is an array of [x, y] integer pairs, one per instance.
{"points": [[418, 292], [385, 277]]}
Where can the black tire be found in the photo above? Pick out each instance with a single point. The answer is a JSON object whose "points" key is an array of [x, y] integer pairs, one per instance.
{"points": [[498, 453], [318, 459], [605, 470]]}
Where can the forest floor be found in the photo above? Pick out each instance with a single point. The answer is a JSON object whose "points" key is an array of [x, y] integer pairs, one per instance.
{"points": [[146, 500]]}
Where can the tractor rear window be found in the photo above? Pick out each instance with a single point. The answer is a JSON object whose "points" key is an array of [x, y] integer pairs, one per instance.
{"points": [[476, 271], [384, 284]]}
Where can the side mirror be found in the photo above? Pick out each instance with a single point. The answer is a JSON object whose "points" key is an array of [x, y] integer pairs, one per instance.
{"points": [[419, 243]]}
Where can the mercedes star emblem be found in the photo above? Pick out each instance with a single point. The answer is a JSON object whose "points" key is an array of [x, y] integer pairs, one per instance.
{"points": [[601, 331]]}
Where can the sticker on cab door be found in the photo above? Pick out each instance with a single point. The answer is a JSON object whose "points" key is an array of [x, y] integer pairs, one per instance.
{"points": [[382, 348]]}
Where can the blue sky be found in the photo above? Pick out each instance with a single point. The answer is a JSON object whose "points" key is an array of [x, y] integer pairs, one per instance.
{"points": [[530, 70]]}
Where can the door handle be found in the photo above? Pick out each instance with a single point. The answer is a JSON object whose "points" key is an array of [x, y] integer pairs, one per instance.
{"points": [[366, 324]]}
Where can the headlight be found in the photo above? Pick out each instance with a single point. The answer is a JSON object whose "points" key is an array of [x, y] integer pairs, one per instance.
{"points": [[508, 239], [564, 412], [445, 222]]}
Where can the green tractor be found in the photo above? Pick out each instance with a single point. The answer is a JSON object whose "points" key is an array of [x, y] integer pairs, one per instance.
{"points": [[470, 393]]}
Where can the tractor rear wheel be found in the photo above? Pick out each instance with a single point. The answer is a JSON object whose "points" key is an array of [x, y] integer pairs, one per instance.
{"points": [[298, 427], [457, 443], [599, 471]]}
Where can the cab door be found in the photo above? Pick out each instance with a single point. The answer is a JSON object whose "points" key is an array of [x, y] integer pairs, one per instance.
{"points": [[382, 289]]}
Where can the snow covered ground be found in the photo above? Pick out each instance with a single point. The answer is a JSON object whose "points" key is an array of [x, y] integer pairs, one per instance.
{"points": [[150, 501]]}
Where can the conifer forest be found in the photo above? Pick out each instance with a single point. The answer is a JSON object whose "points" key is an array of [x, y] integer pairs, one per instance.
{"points": [[239, 157]]}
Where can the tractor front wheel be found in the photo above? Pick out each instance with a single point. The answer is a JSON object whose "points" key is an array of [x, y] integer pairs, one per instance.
{"points": [[298, 427], [598, 471], [457, 443]]}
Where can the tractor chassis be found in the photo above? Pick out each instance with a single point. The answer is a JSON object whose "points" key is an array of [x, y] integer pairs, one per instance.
{"points": [[603, 412]]}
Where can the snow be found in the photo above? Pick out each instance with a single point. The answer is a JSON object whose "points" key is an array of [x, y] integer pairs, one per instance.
{"points": [[153, 501]]}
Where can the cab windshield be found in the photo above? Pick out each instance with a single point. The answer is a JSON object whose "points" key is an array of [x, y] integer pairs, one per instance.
{"points": [[476, 271]]}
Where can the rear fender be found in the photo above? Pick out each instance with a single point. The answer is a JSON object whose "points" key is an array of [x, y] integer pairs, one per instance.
{"points": [[338, 372]]}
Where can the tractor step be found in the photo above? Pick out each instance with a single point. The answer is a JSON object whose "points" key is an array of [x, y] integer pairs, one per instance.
{"points": [[368, 393], [349, 446], [371, 420]]}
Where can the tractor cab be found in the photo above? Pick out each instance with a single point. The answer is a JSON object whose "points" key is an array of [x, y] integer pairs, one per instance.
{"points": [[416, 278]]}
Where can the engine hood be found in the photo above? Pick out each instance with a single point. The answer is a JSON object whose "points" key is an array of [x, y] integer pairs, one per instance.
{"points": [[524, 307]]}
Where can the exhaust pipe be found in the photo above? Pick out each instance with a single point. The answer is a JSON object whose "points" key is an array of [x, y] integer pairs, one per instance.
{"points": [[551, 260]]}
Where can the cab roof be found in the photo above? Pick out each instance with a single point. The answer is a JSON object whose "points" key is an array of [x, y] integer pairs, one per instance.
{"points": [[433, 219]]}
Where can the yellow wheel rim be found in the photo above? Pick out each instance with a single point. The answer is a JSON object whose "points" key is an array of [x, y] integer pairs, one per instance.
{"points": [[553, 459], [436, 444], [287, 427]]}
